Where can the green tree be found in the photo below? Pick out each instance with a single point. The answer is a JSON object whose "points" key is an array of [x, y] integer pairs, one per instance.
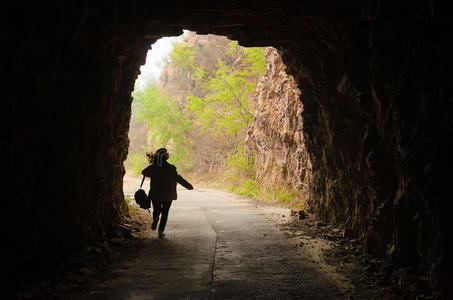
{"points": [[182, 56], [255, 60], [167, 123], [225, 106]]}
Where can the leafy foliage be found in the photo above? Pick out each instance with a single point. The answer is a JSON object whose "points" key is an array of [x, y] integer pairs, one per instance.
{"points": [[224, 105], [167, 123], [182, 56], [286, 195], [219, 103], [242, 162], [255, 59], [138, 161], [130, 204], [248, 188]]}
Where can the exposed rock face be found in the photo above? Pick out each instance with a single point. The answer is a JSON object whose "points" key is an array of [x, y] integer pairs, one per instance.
{"points": [[275, 137], [371, 89], [376, 80]]}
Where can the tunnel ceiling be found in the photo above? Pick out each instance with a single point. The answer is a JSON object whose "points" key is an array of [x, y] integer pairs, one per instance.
{"points": [[376, 82]]}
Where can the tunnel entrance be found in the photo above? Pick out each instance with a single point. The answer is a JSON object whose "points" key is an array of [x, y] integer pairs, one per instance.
{"points": [[223, 112], [376, 84]]}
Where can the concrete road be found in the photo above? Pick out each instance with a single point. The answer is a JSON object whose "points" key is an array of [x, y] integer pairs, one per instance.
{"points": [[219, 246]]}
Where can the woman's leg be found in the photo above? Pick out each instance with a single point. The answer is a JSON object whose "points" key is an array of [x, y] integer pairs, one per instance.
{"points": [[156, 212], [156, 209], [165, 207]]}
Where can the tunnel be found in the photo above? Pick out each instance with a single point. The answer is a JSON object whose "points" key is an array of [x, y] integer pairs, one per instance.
{"points": [[376, 79]]}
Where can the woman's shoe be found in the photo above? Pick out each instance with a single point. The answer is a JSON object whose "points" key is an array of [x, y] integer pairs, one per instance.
{"points": [[161, 234], [154, 225]]}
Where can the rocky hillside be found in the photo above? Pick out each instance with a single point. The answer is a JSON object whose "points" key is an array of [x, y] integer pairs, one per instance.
{"points": [[209, 151], [207, 50], [275, 137]]}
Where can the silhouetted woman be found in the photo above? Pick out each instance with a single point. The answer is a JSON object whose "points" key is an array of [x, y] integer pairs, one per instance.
{"points": [[163, 186]]}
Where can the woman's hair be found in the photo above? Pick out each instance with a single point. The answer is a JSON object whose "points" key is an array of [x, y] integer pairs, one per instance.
{"points": [[157, 158], [150, 157]]}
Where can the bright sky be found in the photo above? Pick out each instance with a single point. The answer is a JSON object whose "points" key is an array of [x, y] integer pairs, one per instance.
{"points": [[154, 65]]}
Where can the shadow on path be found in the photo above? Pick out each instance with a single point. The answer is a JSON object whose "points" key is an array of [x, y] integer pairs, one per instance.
{"points": [[218, 246]]}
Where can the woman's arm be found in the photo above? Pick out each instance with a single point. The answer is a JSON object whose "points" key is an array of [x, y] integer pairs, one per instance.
{"points": [[147, 171], [183, 182]]}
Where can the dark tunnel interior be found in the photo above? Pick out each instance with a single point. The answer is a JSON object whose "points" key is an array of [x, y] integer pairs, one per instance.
{"points": [[377, 85]]}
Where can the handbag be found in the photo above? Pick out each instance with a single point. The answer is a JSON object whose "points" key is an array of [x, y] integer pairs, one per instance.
{"points": [[141, 198]]}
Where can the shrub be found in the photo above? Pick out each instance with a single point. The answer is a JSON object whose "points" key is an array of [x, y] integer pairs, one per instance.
{"points": [[130, 204], [286, 195], [249, 188], [138, 161], [241, 162]]}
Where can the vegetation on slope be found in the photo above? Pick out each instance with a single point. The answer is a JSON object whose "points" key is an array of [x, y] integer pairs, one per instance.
{"points": [[216, 104]]}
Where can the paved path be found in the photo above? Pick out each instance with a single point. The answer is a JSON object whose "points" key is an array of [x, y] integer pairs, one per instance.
{"points": [[219, 246]]}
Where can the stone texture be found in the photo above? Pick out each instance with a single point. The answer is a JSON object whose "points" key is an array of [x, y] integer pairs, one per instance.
{"points": [[275, 136], [376, 82], [370, 90]]}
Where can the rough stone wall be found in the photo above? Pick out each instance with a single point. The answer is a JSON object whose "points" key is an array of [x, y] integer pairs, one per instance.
{"points": [[376, 81], [275, 136], [377, 97], [66, 112]]}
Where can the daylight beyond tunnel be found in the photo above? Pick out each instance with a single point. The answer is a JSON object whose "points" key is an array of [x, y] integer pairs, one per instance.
{"points": [[229, 115], [376, 83]]}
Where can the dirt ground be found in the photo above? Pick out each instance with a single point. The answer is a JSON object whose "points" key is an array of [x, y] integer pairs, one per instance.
{"points": [[344, 260]]}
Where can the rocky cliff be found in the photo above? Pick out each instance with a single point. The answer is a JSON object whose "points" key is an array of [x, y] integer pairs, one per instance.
{"points": [[275, 137]]}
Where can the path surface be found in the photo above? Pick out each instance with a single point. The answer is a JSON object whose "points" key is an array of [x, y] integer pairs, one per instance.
{"points": [[219, 246]]}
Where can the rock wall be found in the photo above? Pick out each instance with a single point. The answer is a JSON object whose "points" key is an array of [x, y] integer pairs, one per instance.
{"points": [[65, 117], [275, 136], [377, 120], [376, 81]]}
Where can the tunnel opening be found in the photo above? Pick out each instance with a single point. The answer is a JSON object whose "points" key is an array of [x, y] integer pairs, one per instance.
{"points": [[380, 159], [230, 117]]}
